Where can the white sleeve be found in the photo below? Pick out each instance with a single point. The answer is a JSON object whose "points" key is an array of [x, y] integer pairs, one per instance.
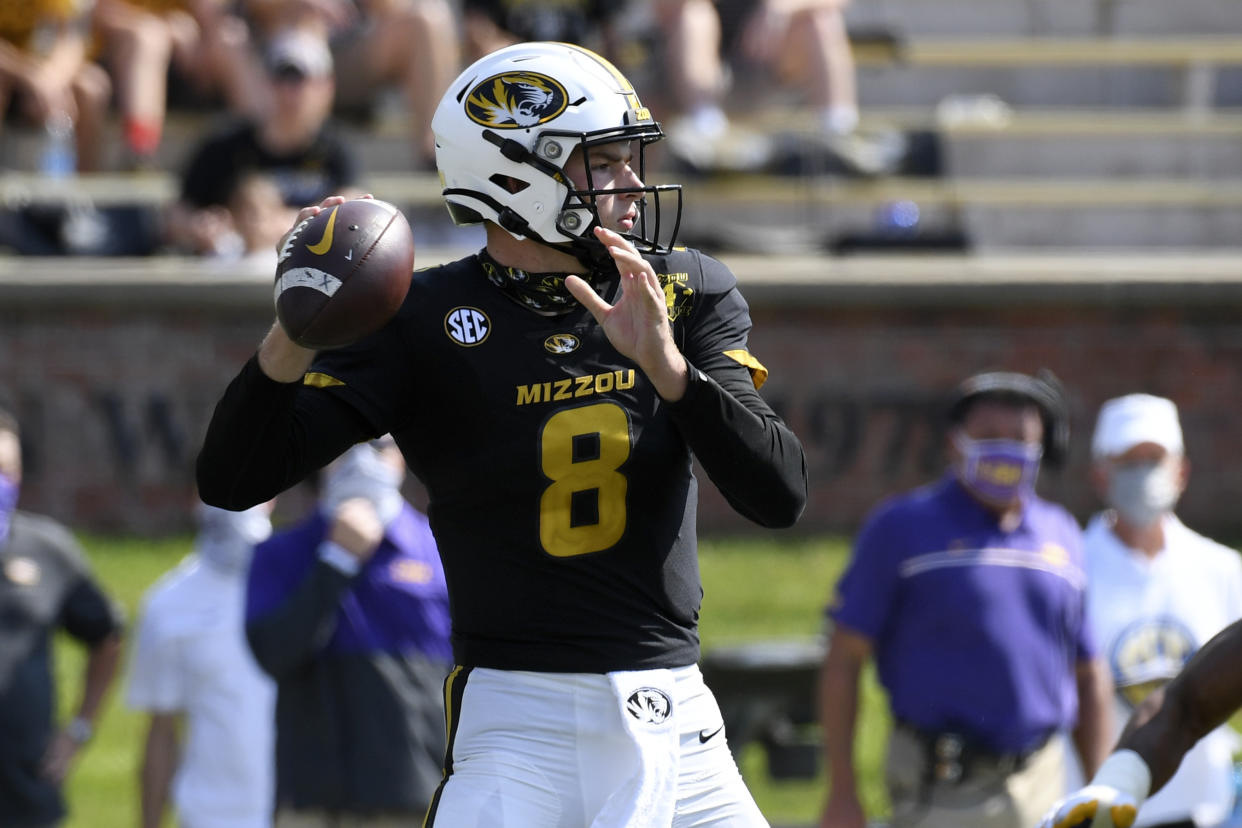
{"points": [[1233, 587], [155, 676]]}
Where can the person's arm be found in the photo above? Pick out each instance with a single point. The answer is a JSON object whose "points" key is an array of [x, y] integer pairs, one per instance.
{"points": [[1093, 732], [268, 431], [838, 714], [47, 80], [160, 757], [290, 633], [100, 670], [752, 457], [1163, 729], [1200, 699]]}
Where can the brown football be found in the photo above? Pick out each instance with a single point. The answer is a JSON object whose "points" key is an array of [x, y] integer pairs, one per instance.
{"points": [[343, 273]]}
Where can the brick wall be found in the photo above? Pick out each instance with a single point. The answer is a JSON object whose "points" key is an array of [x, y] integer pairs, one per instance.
{"points": [[114, 388]]}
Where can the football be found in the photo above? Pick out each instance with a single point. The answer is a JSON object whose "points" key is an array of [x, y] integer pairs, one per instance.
{"points": [[342, 274]]}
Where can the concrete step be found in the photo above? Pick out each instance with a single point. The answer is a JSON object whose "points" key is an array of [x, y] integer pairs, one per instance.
{"points": [[981, 135], [1047, 17]]}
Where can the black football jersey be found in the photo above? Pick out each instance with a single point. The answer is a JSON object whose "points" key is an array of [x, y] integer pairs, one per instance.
{"points": [[560, 484]]}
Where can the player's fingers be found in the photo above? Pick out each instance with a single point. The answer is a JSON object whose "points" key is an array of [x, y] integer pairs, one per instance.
{"points": [[628, 261], [1123, 815], [314, 210], [587, 296], [611, 238]]}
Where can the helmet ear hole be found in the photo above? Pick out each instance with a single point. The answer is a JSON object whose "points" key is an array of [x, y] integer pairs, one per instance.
{"points": [[508, 182]]}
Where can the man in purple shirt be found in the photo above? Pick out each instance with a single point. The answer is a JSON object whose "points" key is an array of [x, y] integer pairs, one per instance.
{"points": [[348, 611], [969, 594]]}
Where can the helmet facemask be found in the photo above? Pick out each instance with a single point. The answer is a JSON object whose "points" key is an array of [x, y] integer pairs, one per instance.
{"points": [[659, 205]]}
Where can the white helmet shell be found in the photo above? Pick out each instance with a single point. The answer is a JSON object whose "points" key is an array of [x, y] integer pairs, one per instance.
{"points": [[515, 115]]}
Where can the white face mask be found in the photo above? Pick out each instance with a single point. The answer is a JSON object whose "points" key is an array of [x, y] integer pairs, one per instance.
{"points": [[226, 539], [1143, 493], [363, 472]]}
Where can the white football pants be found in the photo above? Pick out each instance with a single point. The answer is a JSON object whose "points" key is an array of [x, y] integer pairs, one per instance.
{"points": [[642, 749]]}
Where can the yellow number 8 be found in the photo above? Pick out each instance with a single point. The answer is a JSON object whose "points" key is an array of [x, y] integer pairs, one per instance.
{"points": [[581, 452]]}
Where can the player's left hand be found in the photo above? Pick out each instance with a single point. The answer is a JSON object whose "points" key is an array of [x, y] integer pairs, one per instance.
{"points": [[1095, 806], [637, 325]]}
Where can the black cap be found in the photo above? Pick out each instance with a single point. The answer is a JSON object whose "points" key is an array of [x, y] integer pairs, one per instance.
{"points": [[1043, 389]]}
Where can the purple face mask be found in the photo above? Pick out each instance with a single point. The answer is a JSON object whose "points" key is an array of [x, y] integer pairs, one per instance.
{"points": [[8, 504], [998, 472]]}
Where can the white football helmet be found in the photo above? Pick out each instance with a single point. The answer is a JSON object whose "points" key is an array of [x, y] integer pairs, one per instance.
{"points": [[506, 127]]}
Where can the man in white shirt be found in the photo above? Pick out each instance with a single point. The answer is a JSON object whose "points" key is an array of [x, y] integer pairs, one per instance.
{"points": [[192, 670], [1157, 591]]}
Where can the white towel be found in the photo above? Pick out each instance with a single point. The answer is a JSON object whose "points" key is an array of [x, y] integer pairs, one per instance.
{"points": [[648, 798]]}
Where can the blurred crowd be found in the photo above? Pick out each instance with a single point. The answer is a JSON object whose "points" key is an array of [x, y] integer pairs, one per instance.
{"points": [[283, 81]]}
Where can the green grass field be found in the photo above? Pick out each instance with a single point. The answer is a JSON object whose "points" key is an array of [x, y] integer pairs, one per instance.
{"points": [[754, 590]]}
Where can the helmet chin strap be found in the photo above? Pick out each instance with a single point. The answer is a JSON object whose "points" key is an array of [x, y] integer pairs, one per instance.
{"points": [[588, 250]]}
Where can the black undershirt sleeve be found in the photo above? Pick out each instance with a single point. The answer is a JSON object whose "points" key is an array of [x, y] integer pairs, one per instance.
{"points": [[266, 436], [749, 454], [297, 629]]}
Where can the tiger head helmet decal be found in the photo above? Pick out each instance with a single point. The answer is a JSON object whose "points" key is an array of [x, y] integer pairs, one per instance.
{"points": [[516, 100]]}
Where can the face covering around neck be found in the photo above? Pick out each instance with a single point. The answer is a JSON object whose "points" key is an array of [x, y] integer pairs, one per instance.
{"points": [[1142, 494], [998, 472], [9, 490], [362, 472], [226, 539]]}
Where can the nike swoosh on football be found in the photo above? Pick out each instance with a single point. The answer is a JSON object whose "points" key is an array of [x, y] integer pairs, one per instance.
{"points": [[325, 244], [704, 735]]}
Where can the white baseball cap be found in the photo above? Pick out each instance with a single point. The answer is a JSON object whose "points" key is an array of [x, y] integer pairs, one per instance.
{"points": [[300, 52], [1124, 422]]}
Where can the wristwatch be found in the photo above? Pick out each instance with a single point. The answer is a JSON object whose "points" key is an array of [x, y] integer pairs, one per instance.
{"points": [[79, 729]]}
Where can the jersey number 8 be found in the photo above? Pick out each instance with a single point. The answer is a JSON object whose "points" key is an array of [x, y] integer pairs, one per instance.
{"points": [[583, 510]]}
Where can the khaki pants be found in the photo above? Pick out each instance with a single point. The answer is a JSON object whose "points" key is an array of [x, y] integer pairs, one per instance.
{"points": [[986, 798], [312, 818]]}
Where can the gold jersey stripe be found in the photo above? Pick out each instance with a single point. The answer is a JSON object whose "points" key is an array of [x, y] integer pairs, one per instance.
{"points": [[631, 97], [758, 373], [315, 379]]}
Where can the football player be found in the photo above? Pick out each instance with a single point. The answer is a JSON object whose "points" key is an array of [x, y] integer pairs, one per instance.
{"points": [[550, 392], [1166, 725]]}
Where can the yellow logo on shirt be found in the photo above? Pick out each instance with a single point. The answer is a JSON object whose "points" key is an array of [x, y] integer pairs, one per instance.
{"points": [[410, 572], [1054, 554]]}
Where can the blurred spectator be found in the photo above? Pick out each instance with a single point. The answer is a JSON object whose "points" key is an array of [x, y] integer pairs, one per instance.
{"points": [[46, 585], [1157, 591], [210, 730], [412, 46], [747, 49], [488, 25], [970, 595], [142, 39], [293, 143], [260, 218], [47, 80], [348, 611]]}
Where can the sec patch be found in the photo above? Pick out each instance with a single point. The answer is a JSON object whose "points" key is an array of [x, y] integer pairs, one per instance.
{"points": [[467, 326]]}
